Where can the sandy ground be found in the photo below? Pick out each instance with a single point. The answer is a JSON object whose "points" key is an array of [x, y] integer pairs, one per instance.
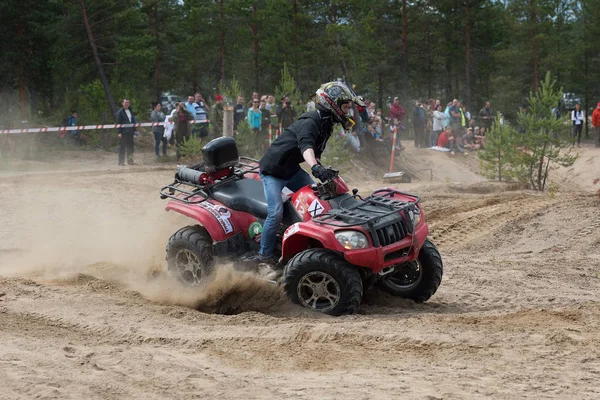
{"points": [[89, 313]]}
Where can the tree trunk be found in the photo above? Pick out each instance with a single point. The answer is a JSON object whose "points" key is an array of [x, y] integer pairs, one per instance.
{"points": [[157, 90], [92, 41], [380, 89], [585, 73], [534, 44], [541, 167], [22, 96], [468, 55], [222, 40], [295, 27], [404, 54], [429, 68], [255, 44], [336, 37]]}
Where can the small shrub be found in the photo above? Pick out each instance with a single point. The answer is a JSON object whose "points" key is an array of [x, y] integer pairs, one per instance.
{"points": [[191, 150], [552, 189], [248, 143], [337, 151]]}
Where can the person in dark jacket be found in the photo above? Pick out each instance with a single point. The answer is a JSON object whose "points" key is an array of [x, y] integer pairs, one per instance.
{"points": [[126, 116], [303, 141], [286, 113], [418, 118], [158, 130], [181, 117]]}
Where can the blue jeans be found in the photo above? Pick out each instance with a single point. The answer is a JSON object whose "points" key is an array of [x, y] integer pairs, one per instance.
{"points": [[158, 138], [273, 187]]}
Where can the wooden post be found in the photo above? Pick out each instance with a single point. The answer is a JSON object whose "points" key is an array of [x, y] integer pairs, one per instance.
{"points": [[270, 135], [228, 121], [393, 150]]}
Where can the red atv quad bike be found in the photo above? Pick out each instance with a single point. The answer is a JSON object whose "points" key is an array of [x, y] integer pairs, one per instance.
{"points": [[332, 245]]}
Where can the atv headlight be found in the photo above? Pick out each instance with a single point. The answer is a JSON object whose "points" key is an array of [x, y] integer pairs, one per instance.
{"points": [[415, 216], [352, 239]]}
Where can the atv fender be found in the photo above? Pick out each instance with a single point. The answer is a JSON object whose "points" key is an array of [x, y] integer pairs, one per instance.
{"points": [[215, 218], [303, 235]]}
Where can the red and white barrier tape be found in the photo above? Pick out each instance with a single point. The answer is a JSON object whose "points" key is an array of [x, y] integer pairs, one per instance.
{"points": [[89, 127]]}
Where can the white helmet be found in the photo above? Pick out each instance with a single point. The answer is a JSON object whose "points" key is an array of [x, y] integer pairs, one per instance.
{"points": [[332, 95]]}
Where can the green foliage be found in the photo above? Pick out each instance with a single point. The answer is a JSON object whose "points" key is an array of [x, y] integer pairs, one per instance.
{"points": [[546, 140], [248, 143], [287, 85], [497, 157], [191, 150], [530, 156], [230, 91], [337, 150]]}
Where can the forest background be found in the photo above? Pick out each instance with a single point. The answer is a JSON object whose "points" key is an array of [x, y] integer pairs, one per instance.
{"points": [[59, 55]]}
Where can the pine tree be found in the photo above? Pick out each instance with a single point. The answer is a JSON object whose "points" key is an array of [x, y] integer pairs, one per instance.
{"points": [[499, 152], [546, 137]]}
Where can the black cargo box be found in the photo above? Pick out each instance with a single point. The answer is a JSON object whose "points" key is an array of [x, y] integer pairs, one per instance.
{"points": [[220, 153]]}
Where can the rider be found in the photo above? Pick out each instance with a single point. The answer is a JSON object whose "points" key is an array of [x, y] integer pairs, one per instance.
{"points": [[304, 140]]}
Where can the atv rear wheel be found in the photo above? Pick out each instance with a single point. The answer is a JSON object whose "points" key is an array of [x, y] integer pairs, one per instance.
{"points": [[321, 280], [417, 280], [189, 255]]}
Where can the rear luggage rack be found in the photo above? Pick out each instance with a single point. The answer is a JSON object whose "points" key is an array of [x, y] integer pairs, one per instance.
{"points": [[196, 193]]}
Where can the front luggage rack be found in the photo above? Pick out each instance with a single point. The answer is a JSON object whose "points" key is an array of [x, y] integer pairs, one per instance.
{"points": [[383, 227]]}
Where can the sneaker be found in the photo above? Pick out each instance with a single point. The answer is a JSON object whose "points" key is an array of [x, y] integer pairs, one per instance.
{"points": [[256, 259], [121, 164]]}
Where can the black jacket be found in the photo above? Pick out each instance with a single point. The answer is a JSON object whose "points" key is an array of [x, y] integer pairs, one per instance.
{"points": [[122, 119], [311, 131]]}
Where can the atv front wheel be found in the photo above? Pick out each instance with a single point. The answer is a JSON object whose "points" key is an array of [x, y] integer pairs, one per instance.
{"points": [[417, 280], [321, 280], [189, 255]]}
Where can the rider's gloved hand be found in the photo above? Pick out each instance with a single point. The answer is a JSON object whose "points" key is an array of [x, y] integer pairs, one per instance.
{"points": [[320, 172]]}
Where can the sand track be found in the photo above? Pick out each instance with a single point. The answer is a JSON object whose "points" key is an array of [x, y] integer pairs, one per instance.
{"points": [[89, 312]]}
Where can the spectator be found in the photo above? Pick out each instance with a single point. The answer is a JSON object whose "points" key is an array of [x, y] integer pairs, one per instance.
{"points": [[181, 118], [428, 109], [238, 113], [157, 116], [446, 140], [286, 113], [216, 117], [470, 142], [255, 116], [481, 137], [396, 110], [578, 118], [272, 108], [190, 106], [200, 129], [596, 123], [126, 116], [310, 105], [371, 109], [397, 126], [455, 117], [418, 118], [438, 125], [265, 122], [75, 135], [270, 102], [463, 119], [486, 115]]}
